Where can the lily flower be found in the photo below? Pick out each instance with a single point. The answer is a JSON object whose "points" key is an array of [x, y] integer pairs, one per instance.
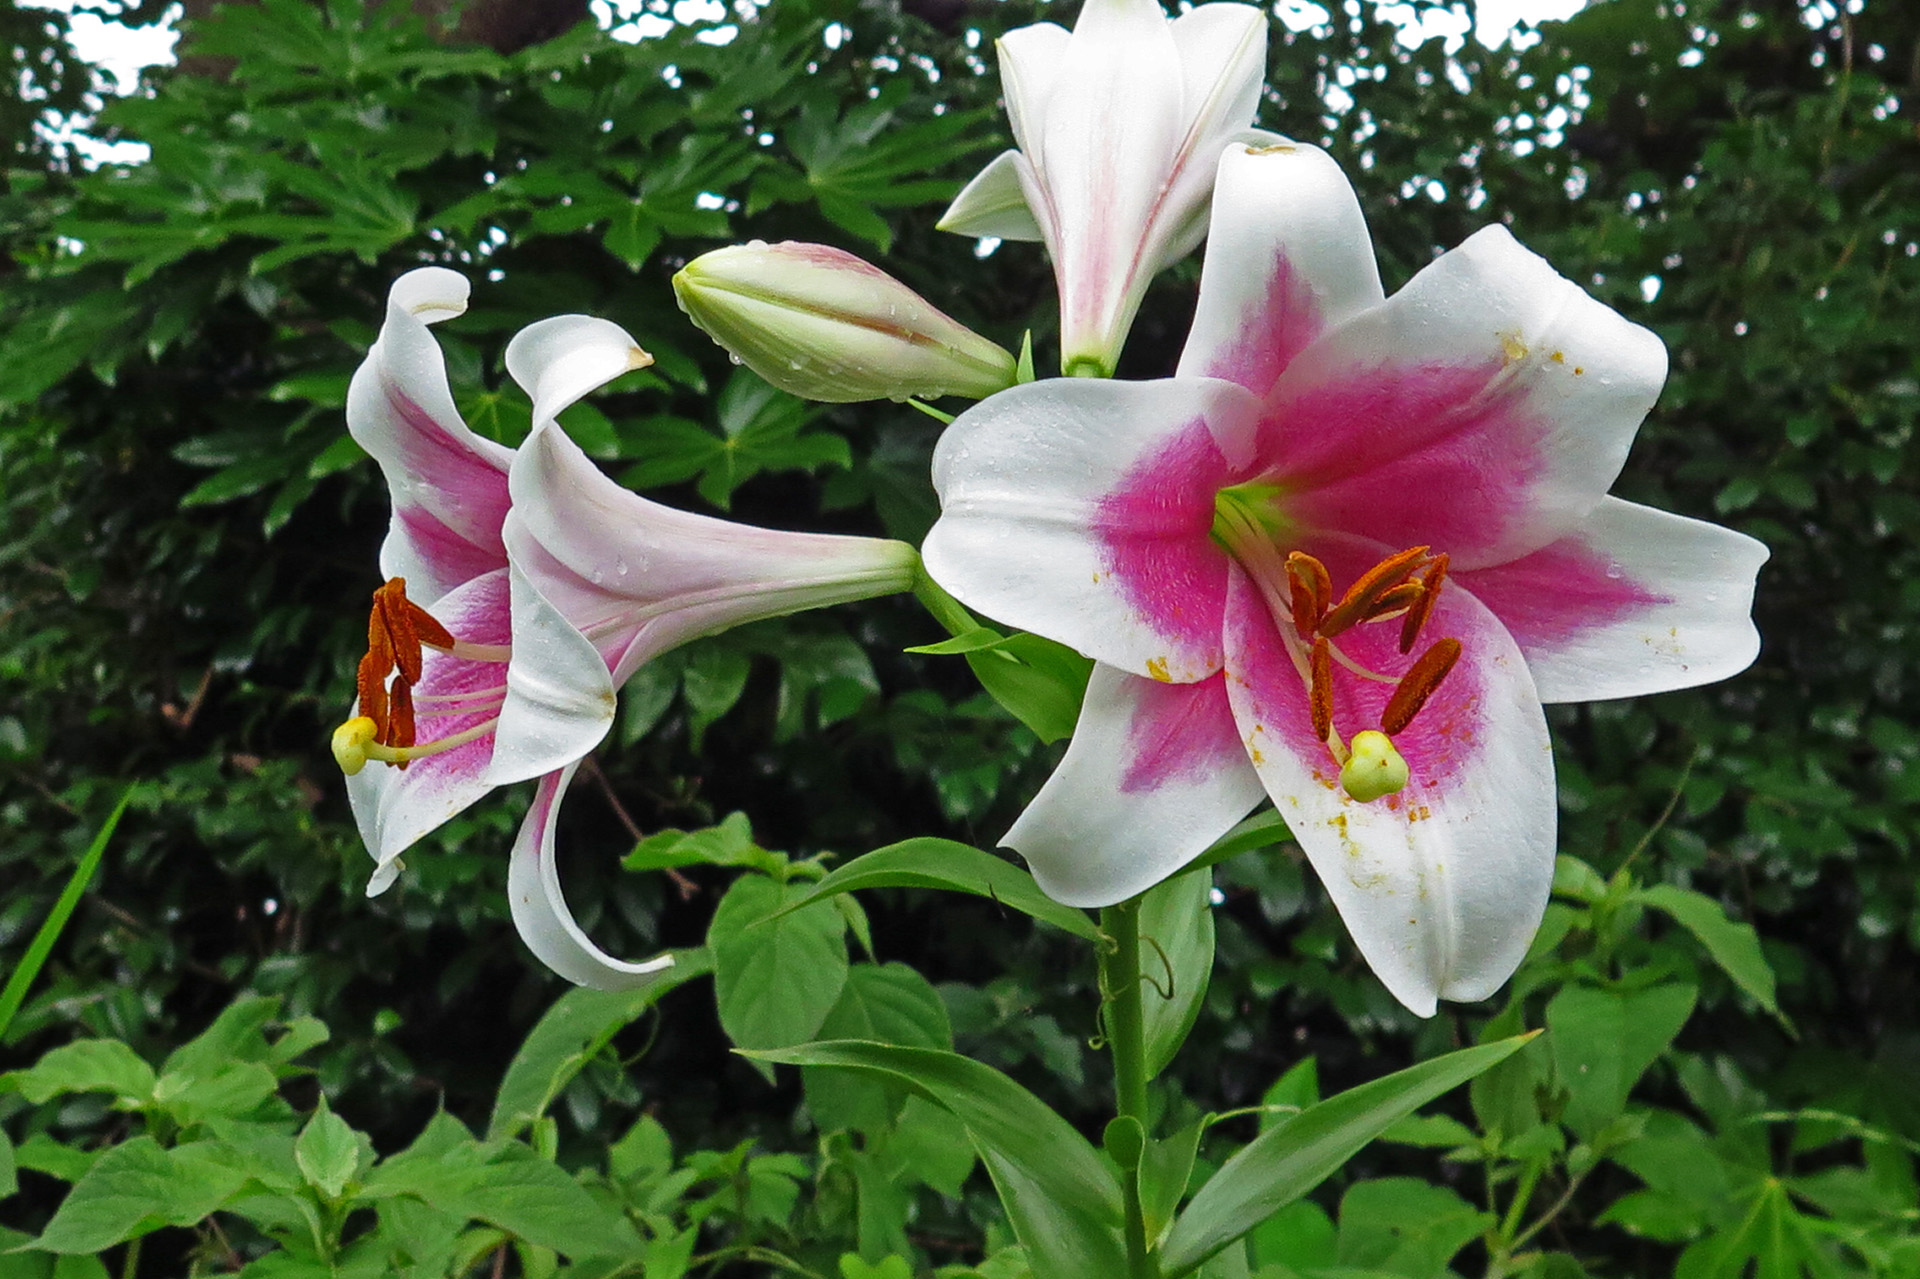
{"points": [[1119, 125], [546, 585], [1339, 561]]}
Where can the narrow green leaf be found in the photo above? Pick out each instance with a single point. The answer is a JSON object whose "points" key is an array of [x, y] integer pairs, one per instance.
{"points": [[882, 1003], [1059, 1195], [42, 944], [1297, 1154], [570, 1034], [951, 867], [1176, 960], [1166, 1165], [1734, 946]]}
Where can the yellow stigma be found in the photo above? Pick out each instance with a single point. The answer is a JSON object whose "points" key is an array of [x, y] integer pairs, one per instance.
{"points": [[351, 742], [1374, 768]]}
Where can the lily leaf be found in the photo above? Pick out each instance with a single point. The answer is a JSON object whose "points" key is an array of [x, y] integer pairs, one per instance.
{"points": [[1176, 917], [952, 867], [1296, 1155], [1061, 1198]]}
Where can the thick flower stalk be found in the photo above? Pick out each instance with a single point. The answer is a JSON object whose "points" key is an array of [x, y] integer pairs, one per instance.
{"points": [[1340, 561], [819, 323], [1118, 125], [523, 588]]}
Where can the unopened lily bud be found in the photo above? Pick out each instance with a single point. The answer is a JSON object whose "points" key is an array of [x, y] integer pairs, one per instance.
{"points": [[1374, 769], [824, 325]]}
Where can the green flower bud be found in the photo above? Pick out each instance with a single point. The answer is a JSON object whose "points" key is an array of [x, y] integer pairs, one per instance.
{"points": [[824, 325]]}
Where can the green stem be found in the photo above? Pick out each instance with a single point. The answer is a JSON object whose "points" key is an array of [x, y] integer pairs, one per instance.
{"points": [[1127, 1041], [946, 610]]}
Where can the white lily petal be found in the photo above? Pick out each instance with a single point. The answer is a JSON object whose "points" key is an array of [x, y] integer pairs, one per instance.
{"points": [[996, 202], [638, 578], [559, 360], [1484, 409], [448, 485], [394, 807], [1288, 257], [1031, 58], [1223, 67], [540, 910], [1443, 884], [1080, 509], [1189, 201], [1634, 601], [1154, 774], [560, 696]]}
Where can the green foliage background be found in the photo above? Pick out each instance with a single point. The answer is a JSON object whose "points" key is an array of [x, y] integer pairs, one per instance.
{"points": [[187, 539]]}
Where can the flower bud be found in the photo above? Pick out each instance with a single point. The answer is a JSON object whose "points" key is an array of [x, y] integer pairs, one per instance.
{"points": [[824, 325]]}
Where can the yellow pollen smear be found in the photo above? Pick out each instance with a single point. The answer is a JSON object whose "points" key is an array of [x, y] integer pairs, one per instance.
{"points": [[1157, 668], [1374, 768], [1512, 348]]}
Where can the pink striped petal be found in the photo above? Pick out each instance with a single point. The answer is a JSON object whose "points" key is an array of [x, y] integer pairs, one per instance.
{"points": [[1443, 884], [395, 807], [540, 910], [1484, 409], [1154, 774], [1082, 510], [638, 578], [1288, 258], [1634, 601], [449, 486]]}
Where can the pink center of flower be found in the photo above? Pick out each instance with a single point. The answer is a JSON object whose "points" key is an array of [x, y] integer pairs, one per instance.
{"points": [[1298, 591], [398, 633]]}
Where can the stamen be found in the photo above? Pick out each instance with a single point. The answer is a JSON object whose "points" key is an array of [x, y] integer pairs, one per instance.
{"points": [[1430, 584], [1394, 603], [1418, 684], [1320, 694], [400, 730], [1368, 590], [370, 682], [1311, 590]]}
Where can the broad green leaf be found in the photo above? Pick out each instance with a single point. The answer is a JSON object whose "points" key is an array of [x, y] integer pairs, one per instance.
{"points": [[1735, 947], [86, 1065], [881, 1003], [1602, 1041], [728, 844], [1297, 1154], [328, 1151], [1176, 960], [775, 979], [9, 1174], [137, 1187], [960, 868], [1262, 830], [570, 1034], [1062, 1200], [1042, 683], [1405, 1226], [511, 1188], [232, 1090]]}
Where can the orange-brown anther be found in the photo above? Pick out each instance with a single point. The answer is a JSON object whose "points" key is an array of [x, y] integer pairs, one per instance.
{"points": [[396, 630], [1361, 597], [1321, 692], [1310, 589], [1430, 583], [401, 733], [370, 682], [1417, 685], [1394, 602]]}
